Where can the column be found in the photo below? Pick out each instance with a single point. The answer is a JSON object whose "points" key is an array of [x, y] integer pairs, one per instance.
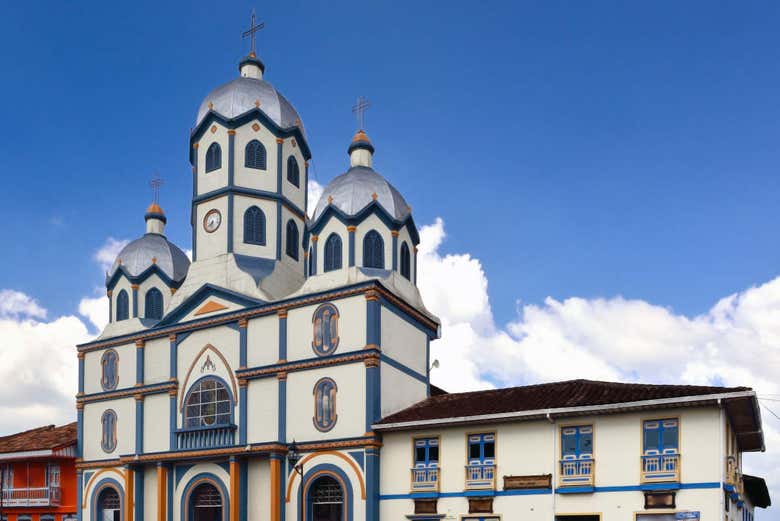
{"points": [[139, 423], [415, 265], [279, 142], [243, 489], [194, 195], [172, 394], [162, 492], [242, 342], [373, 341], [129, 494], [81, 356], [79, 494], [134, 287], [243, 411], [139, 362], [372, 484], [394, 233], [282, 314], [173, 367], [109, 294], [80, 430], [282, 407], [235, 478], [351, 230], [172, 417], [276, 486], [314, 239], [140, 475]]}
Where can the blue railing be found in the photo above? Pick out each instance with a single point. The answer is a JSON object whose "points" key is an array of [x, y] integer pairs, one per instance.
{"points": [[425, 479], [577, 472], [661, 467], [206, 437], [480, 476]]}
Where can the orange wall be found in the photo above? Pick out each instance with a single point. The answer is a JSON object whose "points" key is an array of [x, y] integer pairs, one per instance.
{"points": [[37, 478]]}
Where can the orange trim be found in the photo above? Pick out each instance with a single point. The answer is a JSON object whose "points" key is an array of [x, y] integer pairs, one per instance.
{"points": [[129, 494], [349, 460], [93, 480], [210, 307], [276, 487], [162, 493], [195, 361], [235, 478]]}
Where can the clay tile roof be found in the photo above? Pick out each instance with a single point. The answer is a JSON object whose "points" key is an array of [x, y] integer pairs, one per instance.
{"points": [[573, 393], [42, 438]]}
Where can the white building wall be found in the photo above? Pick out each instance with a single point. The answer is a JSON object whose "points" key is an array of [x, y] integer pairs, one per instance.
{"points": [[262, 341], [156, 423], [157, 361], [403, 342], [259, 486], [215, 243], [93, 370], [263, 401], [295, 194], [125, 428], [399, 390], [150, 493], [208, 182], [253, 178], [352, 328]]}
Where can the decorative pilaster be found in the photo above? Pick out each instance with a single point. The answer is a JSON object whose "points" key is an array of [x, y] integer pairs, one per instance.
{"points": [[243, 411], [282, 407], [282, 334], [109, 294], [373, 392], [162, 492], [79, 494], [81, 356], [139, 423], [174, 366], [139, 361], [79, 430], [235, 478], [243, 324], [243, 489], [279, 142], [129, 494], [134, 287], [231, 176], [276, 486], [194, 195], [172, 418], [314, 240], [415, 265], [394, 233], [139, 494], [373, 320], [351, 230], [372, 484]]}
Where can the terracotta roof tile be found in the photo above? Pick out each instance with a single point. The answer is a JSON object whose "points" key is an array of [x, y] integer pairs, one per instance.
{"points": [[42, 438], [573, 393]]}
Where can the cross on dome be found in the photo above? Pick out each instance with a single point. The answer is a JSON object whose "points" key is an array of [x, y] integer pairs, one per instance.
{"points": [[359, 110], [155, 184], [253, 28]]}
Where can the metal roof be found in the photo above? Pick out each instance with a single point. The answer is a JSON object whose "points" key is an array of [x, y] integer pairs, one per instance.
{"points": [[151, 249], [355, 189]]}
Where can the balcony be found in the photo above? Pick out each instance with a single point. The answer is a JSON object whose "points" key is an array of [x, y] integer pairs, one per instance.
{"points": [[658, 468], [576, 473], [32, 497], [480, 477], [206, 437], [733, 475], [425, 480]]}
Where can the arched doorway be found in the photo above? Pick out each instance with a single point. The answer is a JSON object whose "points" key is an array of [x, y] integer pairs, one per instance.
{"points": [[109, 505], [206, 503], [326, 499]]}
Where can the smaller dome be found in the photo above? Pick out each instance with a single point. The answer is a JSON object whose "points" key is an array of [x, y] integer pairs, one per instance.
{"points": [[151, 249], [357, 188], [155, 208]]}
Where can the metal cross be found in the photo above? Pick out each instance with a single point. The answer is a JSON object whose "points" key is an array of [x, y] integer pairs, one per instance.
{"points": [[251, 32], [359, 110], [156, 183]]}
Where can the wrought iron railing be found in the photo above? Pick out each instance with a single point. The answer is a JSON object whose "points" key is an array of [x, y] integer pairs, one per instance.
{"points": [[481, 477], [425, 479], [206, 437], [577, 472], [661, 467], [32, 497]]}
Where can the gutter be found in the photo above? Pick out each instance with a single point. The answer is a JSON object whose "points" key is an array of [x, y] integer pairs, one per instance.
{"points": [[26, 454], [568, 411]]}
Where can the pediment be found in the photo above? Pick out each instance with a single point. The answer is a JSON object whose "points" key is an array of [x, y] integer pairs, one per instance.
{"points": [[207, 302]]}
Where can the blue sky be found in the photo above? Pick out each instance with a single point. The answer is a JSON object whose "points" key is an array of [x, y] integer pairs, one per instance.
{"points": [[576, 148]]}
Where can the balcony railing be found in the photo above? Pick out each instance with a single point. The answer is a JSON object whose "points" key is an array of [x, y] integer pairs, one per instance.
{"points": [[425, 480], [733, 474], [206, 438], [577, 472], [31, 497], [481, 477], [661, 467]]}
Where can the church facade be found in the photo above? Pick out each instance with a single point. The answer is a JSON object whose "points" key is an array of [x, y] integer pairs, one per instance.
{"points": [[283, 372]]}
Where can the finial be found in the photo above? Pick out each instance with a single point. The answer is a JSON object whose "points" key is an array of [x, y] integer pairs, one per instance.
{"points": [[155, 184], [253, 28], [359, 110]]}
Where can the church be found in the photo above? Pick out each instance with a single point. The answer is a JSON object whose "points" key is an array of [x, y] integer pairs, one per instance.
{"points": [[283, 373]]}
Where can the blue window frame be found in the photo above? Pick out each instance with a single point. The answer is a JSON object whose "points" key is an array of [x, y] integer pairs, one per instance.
{"points": [[255, 155], [153, 304], [122, 306], [333, 251], [108, 426], [325, 404], [208, 404], [661, 436], [109, 370], [373, 250], [292, 240], [577, 442], [482, 449], [326, 329], [406, 261], [426, 453], [293, 172], [254, 226], [213, 157]]}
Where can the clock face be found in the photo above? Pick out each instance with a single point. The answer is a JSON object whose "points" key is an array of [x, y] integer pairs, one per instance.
{"points": [[212, 221]]}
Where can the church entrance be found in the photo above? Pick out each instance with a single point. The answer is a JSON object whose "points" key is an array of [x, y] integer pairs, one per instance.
{"points": [[326, 500], [110, 507], [206, 503]]}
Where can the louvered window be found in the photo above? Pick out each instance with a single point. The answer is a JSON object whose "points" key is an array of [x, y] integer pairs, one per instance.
{"points": [[373, 250], [153, 304], [333, 253], [122, 306], [254, 226], [293, 172], [406, 261], [213, 157], [292, 240], [254, 155]]}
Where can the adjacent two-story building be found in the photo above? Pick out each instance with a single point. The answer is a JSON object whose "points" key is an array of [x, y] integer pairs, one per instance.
{"points": [[283, 373], [38, 474]]}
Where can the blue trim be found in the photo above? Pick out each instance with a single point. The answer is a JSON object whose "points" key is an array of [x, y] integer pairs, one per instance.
{"points": [[373, 397], [79, 493], [282, 411], [242, 345], [173, 362], [101, 485], [172, 421], [243, 489], [243, 409], [395, 252], [359, 457], [373, 208], [313, 270], [225, 465], [351, 248], [404, 369], [274, 368], [170, 495], [139, 494], [139, 426], [81, 375], [154, 269], [639, 488], [334, 471], [372, 484], [230, 230], [250, 192], [278, 232], [373, 323], [185, 496], [467, 494], [180, 470], [144, 389], [283, 338], [207, 291], [135, 302], [139, 365], [575, 490]]}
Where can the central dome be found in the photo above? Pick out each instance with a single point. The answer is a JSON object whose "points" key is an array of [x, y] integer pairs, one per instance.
{"points": [[242, 95], [357, 188]]}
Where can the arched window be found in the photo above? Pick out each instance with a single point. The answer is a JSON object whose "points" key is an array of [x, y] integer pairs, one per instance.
{"points": [[333, 252], [293, 173], [122, 306], [326, 498], [254, 155], [213, 157], [153, 304], [254, 226], [406, 261], [325, 404], [108, 436], [206, 503], [292, 239], [109, 505], [208, 404], [109, 367], [326, 329], [373, 250]]}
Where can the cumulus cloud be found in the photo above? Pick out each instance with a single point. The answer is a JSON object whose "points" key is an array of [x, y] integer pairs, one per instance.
{"points": [[735, 343], [95, 310], [15, 304], [107, 253], [314, 194]]}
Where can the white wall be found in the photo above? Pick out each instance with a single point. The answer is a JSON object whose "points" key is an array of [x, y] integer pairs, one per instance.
{"points": [[93, 370], [157, 361], [372, 222], [208, 182], [211, 244], [403, 342], [156, 423], [125, 428], [259, 486], [262, 341], [352, 327], [263, 401], [251, 177]]}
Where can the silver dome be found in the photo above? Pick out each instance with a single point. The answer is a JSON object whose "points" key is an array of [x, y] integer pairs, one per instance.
{"points": [[151, 249], [240, 95], [355, 189]]}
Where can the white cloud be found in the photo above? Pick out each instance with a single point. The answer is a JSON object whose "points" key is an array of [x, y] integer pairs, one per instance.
{"points": [[95, 310], [107, 253], [15, 304], [736, 343], [314, 194]]}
